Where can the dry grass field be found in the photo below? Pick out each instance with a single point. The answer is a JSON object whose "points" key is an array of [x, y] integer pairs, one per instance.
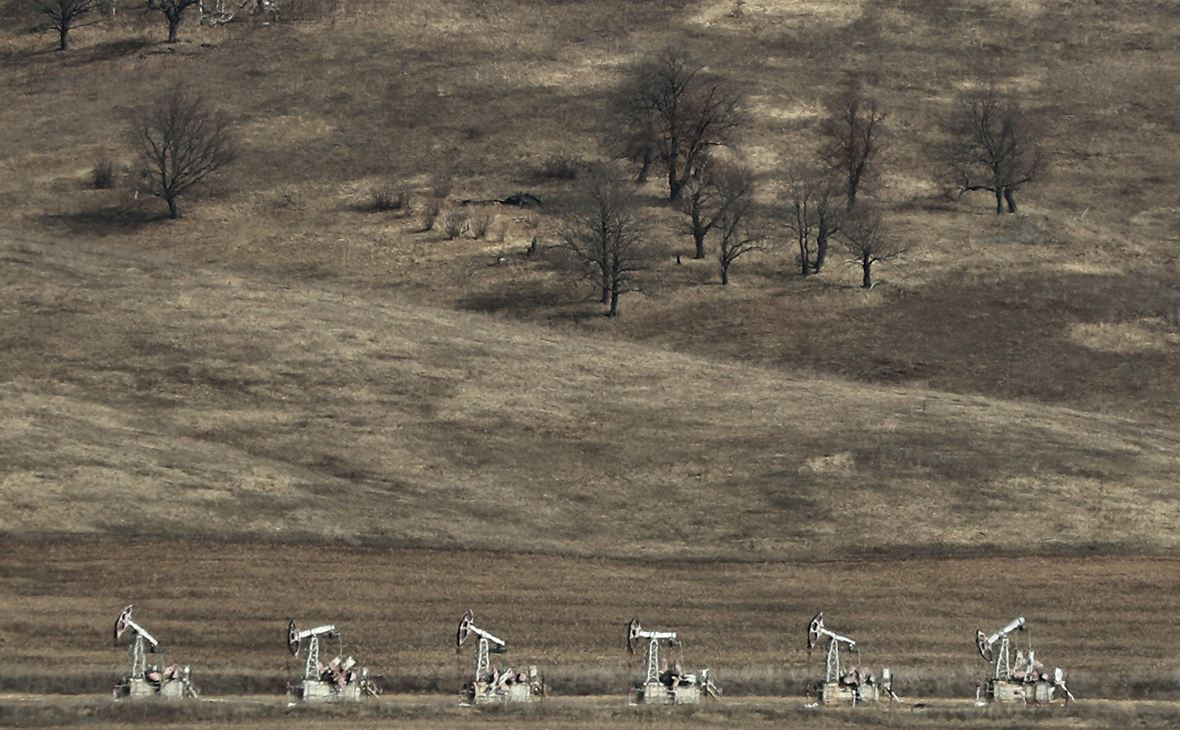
{"points": [[158, 399], [223, 609], [1073, 302], [288, 403]]}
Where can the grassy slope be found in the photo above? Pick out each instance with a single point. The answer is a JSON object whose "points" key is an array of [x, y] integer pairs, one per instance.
{"points": [[1074, 303], [149, 397], [256, 403]]}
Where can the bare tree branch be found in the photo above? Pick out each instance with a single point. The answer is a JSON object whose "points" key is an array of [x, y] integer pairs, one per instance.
{"points": [[869, 241], [607, 238], [182, 142], [738, 233], [813, 213], [855, 136], [993, 146], [65, 15], [672, 114]]}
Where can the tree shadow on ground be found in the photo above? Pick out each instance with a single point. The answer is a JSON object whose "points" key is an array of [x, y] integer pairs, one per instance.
{"points": [[520, 302], [105, 221], [111, 51]]}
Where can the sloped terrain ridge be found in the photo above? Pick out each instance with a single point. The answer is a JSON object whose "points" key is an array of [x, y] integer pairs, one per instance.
{"points": [[142, 397]]}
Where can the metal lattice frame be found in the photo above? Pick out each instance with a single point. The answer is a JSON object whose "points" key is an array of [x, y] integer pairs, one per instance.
{"points": [[138, 657], [1003, 665], [651, 662], [483, 660], [311, 662], [833, 661]]}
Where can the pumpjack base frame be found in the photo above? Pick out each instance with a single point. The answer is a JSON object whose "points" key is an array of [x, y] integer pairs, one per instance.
{"points": [[317, 691], [834, 693], [655, 693], [484, 693], [1008, 690], [137, 689]]}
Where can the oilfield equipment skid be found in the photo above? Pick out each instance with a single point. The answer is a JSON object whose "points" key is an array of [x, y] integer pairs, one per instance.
{"points": [[1020, 680], [845, 685], [494, 684], [143, 680], [337, 681], [663, 685]]}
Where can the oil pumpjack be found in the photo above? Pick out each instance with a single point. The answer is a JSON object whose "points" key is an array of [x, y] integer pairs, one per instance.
{"points": [[494, 684], [663, 685], [144, 680], [1021, 680], [850, 684], [336, 681]]}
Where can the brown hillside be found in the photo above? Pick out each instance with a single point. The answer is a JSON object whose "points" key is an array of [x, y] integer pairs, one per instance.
{"points": [[144, 397], [1074, 302]]}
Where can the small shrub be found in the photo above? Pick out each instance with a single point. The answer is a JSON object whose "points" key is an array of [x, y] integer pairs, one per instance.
{"points": [[104, 173], [386, 197], [561, 168], [454, 222], [430, 213], [440, 184], [480, 225]]}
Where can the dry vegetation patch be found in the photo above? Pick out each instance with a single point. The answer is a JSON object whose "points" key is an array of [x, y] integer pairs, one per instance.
{"points": [[223, 608], [154, 398]]}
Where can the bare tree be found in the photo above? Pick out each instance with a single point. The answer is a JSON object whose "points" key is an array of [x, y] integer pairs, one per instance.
{"points": [[607, 238], [869, 241], [737, 231], [173, 10], [673, 114], [854, 133], [65, 15], [993, 146], [701, 202], [182, 141], [813, 214]]}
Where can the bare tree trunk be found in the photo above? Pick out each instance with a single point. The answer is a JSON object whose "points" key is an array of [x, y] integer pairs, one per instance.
{"points": [[614, 301], [854, 186], [641, 178], [1010, 198], [698, 236], [724, 273], [173, 27], [999, 200], [674, 184], [866, 267], [804, 263], [173, 209], [64, 36], [821, 251]]}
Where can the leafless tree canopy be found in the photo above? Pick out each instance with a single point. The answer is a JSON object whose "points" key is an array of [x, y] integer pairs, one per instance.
{"points": [[65, 15], [674, 114], [738, 232], [813, 211], [993, 146], [854, 135], [607, 238], [182, 142], [869, 241]]}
